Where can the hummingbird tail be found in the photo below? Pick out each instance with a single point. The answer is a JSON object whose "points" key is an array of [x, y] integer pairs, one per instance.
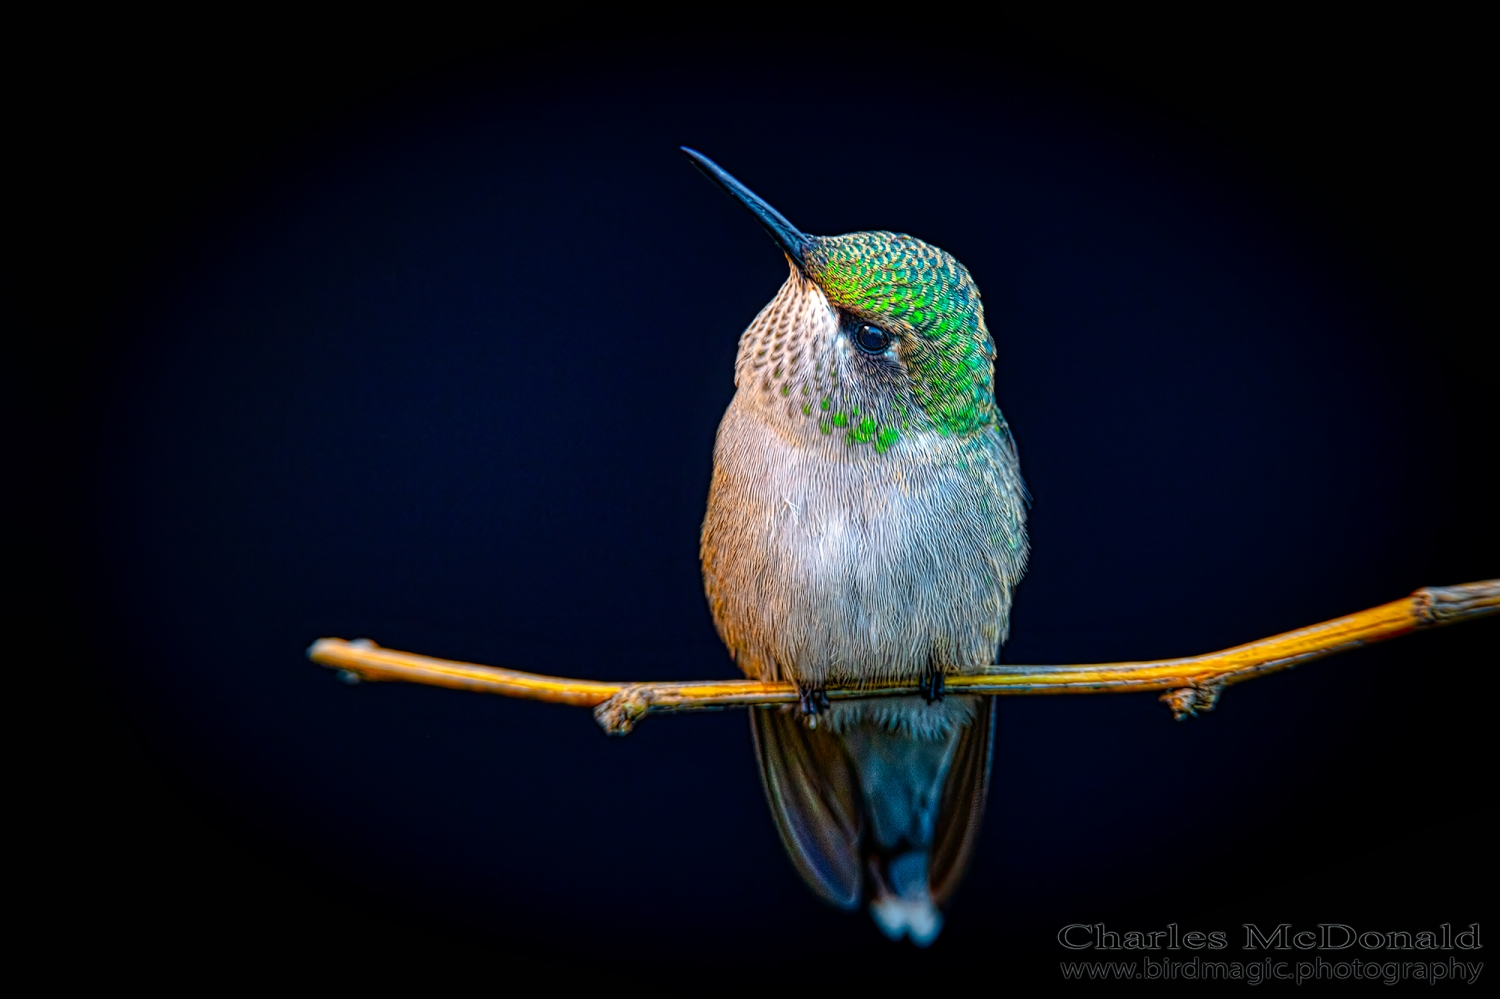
{"points": [[875, 815]]}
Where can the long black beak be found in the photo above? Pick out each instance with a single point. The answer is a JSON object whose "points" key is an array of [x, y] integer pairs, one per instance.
{"points": [[791, 239]]}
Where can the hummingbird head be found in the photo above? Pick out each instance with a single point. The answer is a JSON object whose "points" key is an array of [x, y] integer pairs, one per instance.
{"points": [[876, 336]]}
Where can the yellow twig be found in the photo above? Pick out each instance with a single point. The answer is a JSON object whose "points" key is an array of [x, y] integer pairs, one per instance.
{"points": [[1191, 684]]}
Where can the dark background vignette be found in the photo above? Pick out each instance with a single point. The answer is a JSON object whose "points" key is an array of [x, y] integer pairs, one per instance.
{"points": [[187, 832]]}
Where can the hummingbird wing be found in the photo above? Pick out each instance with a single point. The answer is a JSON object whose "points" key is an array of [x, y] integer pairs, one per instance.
{"points": [[962, 804], [813, 790]]}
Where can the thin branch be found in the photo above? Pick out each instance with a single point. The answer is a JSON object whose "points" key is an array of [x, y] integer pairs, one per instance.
{"points": [[1191, 685]]}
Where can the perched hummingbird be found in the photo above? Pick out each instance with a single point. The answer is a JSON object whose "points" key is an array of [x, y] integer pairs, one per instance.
{"points": [[867, 522]]}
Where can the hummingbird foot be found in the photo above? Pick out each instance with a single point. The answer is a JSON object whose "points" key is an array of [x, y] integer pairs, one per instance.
{"points": [[812, 699], [932, 686]]}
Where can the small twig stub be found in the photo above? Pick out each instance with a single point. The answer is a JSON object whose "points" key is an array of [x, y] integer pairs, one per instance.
{"points": [[1187, 702]]}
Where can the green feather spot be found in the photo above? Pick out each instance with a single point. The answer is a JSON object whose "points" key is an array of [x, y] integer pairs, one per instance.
{"points": [[840, 420], [786, 389], [887, 437], [824, 427], [824, 404], [806, 409]]}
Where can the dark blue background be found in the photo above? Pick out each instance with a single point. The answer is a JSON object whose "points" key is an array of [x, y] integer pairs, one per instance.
{"points": [[445, 372]]}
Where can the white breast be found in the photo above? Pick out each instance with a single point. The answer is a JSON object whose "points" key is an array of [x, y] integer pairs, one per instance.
{"points": [[824, 562]]}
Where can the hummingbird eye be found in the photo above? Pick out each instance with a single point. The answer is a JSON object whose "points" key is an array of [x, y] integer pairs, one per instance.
{"points": [[871, 339]]}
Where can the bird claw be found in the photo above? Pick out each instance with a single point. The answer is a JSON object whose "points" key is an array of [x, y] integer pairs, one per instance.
{"points": [[811, 700], [932, 686]]}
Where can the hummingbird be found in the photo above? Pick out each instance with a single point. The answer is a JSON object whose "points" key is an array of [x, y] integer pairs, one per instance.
{"points": [[866, 522]]}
